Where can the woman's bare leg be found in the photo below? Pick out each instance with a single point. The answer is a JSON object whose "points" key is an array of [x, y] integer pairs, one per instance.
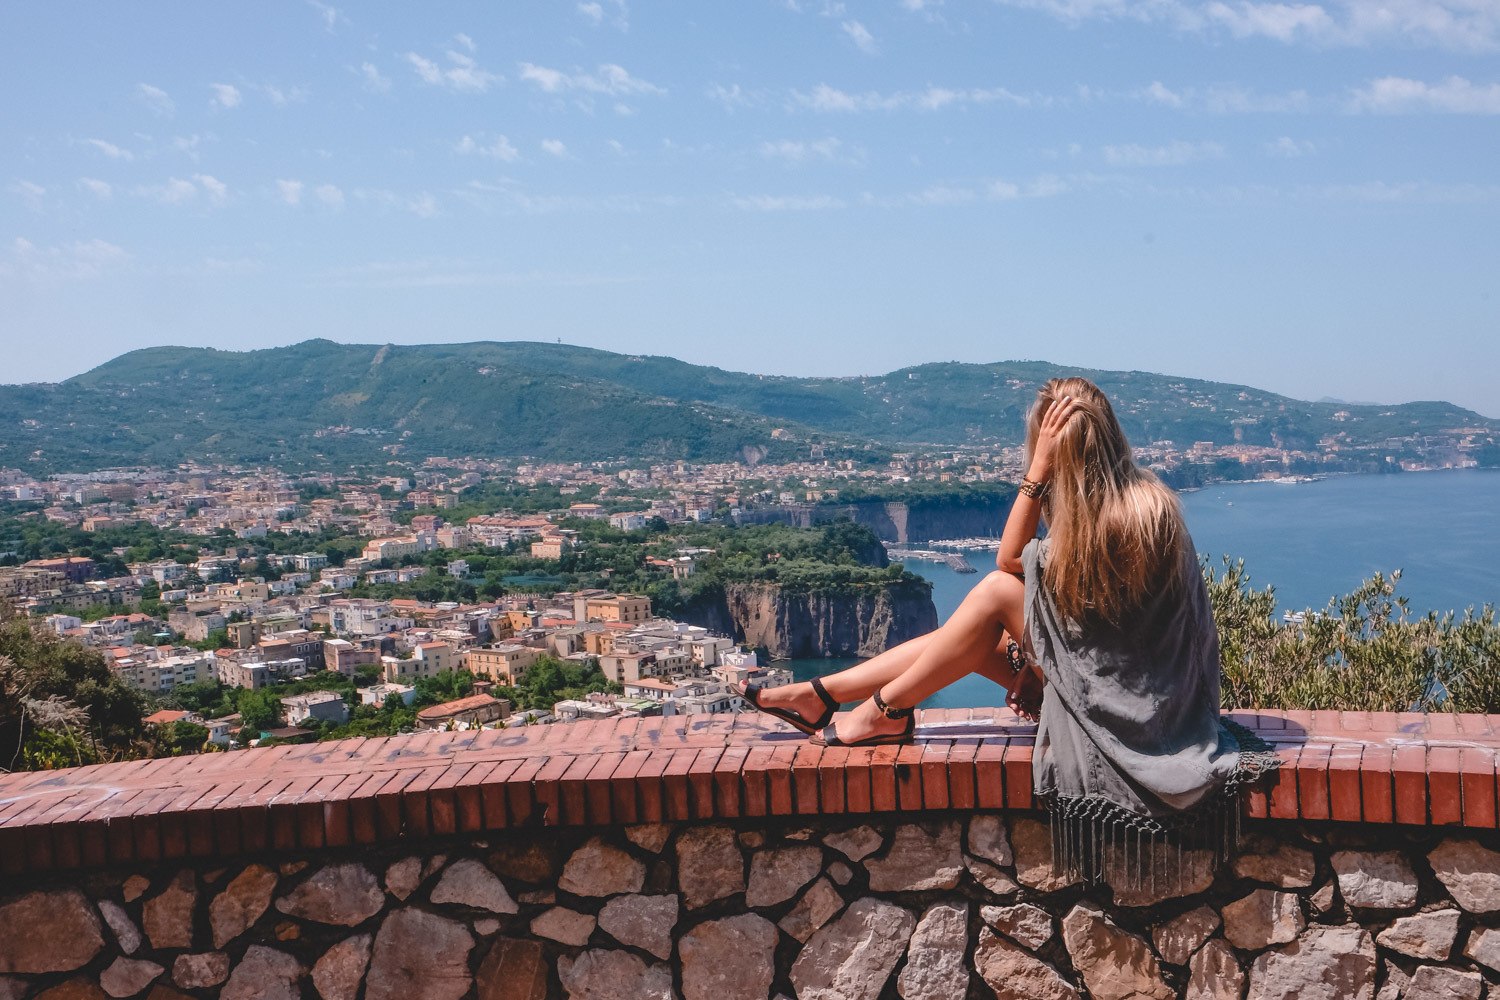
{"points": [[858, 682], [967, 642]]}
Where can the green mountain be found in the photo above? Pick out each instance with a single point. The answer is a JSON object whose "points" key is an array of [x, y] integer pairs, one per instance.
{"points": [[320, 402]]}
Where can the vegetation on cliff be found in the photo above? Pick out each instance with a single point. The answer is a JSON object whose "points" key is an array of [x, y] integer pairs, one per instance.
{"points": [[342, 404]]}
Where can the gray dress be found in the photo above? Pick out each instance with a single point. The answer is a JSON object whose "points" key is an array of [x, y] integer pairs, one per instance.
{"points": [[1131, 750]]}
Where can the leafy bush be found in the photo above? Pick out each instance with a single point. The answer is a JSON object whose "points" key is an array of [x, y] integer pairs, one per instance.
{"points": [[1365, 651]]}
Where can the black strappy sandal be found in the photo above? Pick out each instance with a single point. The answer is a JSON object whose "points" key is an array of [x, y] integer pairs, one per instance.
{"points": [[829, 736], [752, 695]]}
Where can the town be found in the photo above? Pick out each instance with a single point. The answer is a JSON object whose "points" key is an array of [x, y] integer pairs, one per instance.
{"points": [[359, 603]]}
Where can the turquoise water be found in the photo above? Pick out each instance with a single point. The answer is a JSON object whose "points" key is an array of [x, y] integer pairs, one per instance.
{"points": [[1311, 540]]}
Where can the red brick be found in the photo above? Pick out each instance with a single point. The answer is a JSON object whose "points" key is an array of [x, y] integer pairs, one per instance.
{"points": [[1299, 722], [934, 767], [442, 799], [1477, 774], [1343, 783], [883, 794], [1409, 772], [1442, 725], [494, 795], [1283, 803], [989, 774], [1018, 782], [962, 790], [624, 801], [1413, 724], [909, 776], [571, 790], [521, 806], [363, 825], [831, 769], [1376, 785], [648, 783], [285, 812], [805, 779], [1444, 793], [1312, 781], [597, 786], [389, 815], [1354, 722], [674, 780], [546, 790], [701, 782], [779, 777], [1384, 722], [728, 781], [859, 794], [1476, 726], [468, 796], [337, 829]]}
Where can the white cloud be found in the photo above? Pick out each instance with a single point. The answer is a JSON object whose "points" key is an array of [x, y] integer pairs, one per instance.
{"points": [[29, 192], [944, 195], [102, 190], [329, 14], [609, 78], [281, 96], [861, 37], [1422, 192], [216, 189], [832, 100], [595, 13], [555, 147], [175, 191], [71, 261], [785, 203], [289, 191], [330, 195], [465, 41], [374, 81], [156, 99], [226, 95], [110, 150], [1455, 96], [1160, 94], [917, 6], [802, 150], [1463, 25], [423, 206], [733, 96], [1290, 149], [500, 148], [1175, 153], [462, 73]]}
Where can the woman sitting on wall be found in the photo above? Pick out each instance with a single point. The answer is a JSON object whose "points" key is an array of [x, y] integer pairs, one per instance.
{"points": [[1116, 652]]}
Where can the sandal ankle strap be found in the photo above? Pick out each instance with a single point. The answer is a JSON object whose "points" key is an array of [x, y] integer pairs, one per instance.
{"points": [[888, 711]]}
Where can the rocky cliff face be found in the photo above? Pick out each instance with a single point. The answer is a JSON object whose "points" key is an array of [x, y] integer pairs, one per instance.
{"points": [[859, 621], [917, 521]]}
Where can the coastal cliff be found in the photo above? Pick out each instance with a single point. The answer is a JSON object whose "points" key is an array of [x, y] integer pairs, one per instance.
{"points": [[900, 521], [795, 621]]}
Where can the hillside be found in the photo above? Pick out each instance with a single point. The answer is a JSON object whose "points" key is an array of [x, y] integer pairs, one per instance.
{"points": [[319, 402]]}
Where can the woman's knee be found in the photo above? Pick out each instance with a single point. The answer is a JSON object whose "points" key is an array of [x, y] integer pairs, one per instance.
{"points": [[999, 589]]}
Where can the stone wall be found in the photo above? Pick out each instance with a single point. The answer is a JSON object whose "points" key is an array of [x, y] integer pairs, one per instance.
{"points": [[958, 903]]}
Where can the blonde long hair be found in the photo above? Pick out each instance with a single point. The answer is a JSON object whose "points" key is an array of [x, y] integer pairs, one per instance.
{"points": [[1117, 534]]}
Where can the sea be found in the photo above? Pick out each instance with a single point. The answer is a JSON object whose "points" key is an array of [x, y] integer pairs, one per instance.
{"points": [[1310, 540]]}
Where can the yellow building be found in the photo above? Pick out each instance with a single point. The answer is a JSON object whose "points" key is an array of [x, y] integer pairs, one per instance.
{"points": [[504, 664], [624, 608]]}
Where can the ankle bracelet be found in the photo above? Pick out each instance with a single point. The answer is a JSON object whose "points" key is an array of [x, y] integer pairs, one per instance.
{"points": [[888, 711]]}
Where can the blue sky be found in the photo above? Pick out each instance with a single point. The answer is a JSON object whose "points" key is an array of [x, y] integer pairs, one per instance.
{"points": [[1299, 196]]}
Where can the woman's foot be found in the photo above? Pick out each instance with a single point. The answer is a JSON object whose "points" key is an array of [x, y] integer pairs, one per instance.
{"points": [[800, 699], [863, 723]]}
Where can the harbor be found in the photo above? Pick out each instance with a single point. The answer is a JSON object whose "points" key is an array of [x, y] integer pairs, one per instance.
{"points": [[955, 561]]}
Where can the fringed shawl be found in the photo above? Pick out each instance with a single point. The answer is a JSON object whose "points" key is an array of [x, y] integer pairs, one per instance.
{"points": [[1133, 760]]}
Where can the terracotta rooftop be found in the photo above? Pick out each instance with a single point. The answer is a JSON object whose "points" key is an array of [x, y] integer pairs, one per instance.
{"points": [[1376, 767]]}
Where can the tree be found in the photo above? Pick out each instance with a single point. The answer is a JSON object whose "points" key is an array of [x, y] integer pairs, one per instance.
{"points": [[59, 702]]}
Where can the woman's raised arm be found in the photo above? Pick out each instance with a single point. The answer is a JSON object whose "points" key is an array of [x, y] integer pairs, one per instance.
{"points": [[1026, 512]]}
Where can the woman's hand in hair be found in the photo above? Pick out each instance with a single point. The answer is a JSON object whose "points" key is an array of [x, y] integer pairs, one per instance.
{"points": [[1049, 433]]}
